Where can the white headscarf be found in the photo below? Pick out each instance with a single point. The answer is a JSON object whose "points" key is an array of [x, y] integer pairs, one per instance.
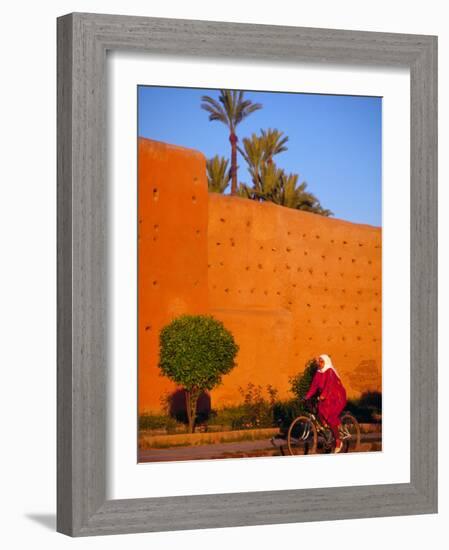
{"points": [[328, 364]]}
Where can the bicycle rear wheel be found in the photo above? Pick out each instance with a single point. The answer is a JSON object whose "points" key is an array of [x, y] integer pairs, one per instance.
{"points": [[350, 433], [302, 436]]}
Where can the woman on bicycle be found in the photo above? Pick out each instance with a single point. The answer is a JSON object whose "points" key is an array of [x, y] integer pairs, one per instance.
{"points": [[331, 397]]}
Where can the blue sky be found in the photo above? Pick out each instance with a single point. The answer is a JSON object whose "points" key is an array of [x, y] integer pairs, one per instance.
{"points": [[334, 141]]}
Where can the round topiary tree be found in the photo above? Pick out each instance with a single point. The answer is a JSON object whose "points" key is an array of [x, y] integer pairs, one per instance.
{"points": [[195, 352]]}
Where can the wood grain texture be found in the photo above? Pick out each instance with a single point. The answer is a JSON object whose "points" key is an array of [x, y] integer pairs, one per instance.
{"points": [[83, 40]]}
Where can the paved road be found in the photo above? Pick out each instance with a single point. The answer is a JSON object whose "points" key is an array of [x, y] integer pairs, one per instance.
{"points": [[263, 447]]}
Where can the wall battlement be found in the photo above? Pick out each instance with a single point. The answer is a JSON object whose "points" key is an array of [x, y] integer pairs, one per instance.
{"points": [[288, 284]]}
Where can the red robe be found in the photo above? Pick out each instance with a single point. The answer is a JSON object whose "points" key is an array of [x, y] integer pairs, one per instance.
{"points": [[333, 397]]}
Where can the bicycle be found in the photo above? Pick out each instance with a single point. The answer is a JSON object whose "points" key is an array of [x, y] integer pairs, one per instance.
{"points": [[306, 434]]}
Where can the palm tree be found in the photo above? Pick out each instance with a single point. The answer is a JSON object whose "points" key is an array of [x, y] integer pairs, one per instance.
{"points": [[273, 143], [253, 152], [258, 151], [218, 174], [288, 193], [230, 109]]}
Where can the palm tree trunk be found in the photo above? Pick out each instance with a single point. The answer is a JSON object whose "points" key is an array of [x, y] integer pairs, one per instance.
{"points": [[233, 139]]}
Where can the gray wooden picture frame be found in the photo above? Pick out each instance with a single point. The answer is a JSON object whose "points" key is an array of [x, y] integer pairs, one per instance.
{"points": [[83, 41]]}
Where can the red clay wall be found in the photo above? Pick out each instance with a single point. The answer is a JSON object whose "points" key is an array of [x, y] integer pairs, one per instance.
{"points": [[172, 249], [291, 285], [288, 284]]}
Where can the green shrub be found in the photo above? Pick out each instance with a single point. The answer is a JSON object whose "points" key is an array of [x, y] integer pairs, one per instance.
{"points": [[284, 412], [367, 408], [150, 421], [300, 383], [195, 352], [255, 411]]}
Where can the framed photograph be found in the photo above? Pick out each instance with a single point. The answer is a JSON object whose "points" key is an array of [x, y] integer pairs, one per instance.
{"points": [[247, 274]]}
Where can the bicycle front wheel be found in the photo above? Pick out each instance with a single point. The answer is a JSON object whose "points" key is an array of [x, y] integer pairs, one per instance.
{"points": [[350, 433], [302, 436]]}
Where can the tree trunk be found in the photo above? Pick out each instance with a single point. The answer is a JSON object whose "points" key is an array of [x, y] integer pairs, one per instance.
{"points": [[233, 139], [191, 402]]}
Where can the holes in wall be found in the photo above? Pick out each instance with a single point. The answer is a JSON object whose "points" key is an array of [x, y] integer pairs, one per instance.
{"points": [[155, 194], [260, 266], [148, 327], [222, 220], [194, 199]]}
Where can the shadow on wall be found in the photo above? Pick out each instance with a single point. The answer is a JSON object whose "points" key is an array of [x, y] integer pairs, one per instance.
{"points": [[177, 406]]}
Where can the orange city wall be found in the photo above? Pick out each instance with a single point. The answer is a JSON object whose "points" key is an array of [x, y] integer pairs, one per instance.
{"points": [[288, 284]]}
